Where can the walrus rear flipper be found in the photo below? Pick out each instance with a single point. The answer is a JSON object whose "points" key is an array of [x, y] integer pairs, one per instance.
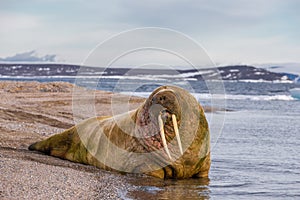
{"points": [[66, 145]]}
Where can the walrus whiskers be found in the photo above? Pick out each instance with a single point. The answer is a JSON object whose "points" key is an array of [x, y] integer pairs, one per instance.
{"points": [[163, 136], [177, 132]]}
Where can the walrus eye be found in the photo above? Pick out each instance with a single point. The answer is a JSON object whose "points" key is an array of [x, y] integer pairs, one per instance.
{"points": [[163, 136]]}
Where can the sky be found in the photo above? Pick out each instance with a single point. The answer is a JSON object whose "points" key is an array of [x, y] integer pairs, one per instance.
{"points": [[231, 32]]}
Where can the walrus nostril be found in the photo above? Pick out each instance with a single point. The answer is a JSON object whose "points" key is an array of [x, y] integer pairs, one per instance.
{"points": [[162, 99]]}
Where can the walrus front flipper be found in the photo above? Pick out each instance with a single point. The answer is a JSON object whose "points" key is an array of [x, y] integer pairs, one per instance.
{"points": [[66, 145]]}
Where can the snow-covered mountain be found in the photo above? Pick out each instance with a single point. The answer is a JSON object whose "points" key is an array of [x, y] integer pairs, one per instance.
{"points": [[228, 73]]}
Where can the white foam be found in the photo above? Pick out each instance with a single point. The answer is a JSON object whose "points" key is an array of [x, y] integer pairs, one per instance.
{"points": [[263, 81], [246, 97]]}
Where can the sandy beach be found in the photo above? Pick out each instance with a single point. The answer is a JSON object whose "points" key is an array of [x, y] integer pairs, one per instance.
{"points": [[32, 111]]}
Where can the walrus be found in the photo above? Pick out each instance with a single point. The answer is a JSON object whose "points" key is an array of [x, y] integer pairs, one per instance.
{"points": [[167, 136]]}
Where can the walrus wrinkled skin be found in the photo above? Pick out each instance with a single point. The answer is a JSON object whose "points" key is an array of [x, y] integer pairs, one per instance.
{"points": [[166, 137]]}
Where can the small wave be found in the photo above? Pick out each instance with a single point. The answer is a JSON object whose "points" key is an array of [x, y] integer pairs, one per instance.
{"points": [[230, 185], [206, 96], [139, 94], [245, 97], [261, 97]]}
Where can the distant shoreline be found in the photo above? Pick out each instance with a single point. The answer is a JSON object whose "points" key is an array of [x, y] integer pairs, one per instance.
{"points": [[225, 73]]}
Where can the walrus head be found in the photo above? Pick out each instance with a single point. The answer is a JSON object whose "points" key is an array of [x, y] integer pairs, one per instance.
{"points": [[158, 120], [173, 127]]}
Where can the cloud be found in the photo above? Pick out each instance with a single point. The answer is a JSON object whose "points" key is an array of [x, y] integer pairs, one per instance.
{"points": [[195, 16], [30, 56], [230, 30]]}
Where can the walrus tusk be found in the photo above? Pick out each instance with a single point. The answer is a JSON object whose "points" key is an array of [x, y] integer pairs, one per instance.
{"points": [[163, 136], [177, 133]]}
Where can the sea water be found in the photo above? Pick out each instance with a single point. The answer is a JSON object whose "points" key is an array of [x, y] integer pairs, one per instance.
{"points": [[256, 154]]}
